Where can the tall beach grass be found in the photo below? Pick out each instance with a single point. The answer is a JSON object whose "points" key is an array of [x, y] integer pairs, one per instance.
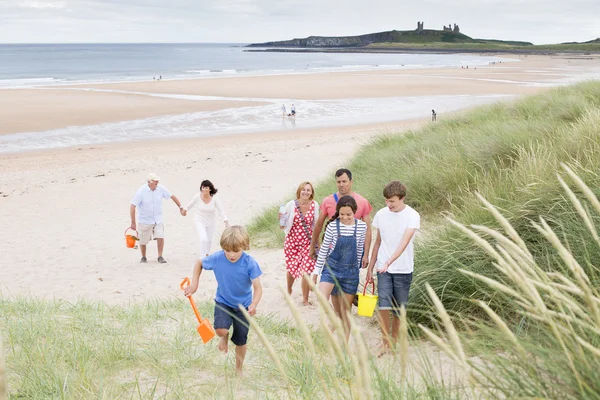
{"points": [[552, 352], [505, 287], [507, 152]]}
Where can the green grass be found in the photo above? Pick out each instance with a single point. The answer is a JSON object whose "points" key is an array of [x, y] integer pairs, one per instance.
{"points": [[508, 152], [87, 350], [506, 287], [491, 45]]}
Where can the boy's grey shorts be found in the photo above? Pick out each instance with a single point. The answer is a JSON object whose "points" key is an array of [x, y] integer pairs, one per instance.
{"points": [[393, 290]]}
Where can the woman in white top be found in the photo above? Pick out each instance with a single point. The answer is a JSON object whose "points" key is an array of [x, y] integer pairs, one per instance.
{"points": [[207, 205]]}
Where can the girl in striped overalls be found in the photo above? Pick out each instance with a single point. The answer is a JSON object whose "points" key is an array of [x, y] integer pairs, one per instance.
{"points": [[340, 257]]}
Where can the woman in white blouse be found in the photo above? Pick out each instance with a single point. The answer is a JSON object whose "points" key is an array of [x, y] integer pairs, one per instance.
{"points": [[207, 206]]}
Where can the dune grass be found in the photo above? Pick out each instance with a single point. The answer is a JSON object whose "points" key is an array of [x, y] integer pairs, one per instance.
{"points": [[88, 350], [506, 285], [509, 153], [554, 350], [552, 353]]}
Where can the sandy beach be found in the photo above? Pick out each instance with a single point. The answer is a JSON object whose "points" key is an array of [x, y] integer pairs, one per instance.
{"points": [[65, 210]]}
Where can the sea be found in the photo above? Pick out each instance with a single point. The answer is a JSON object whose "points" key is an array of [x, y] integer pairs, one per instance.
{"points": [[59, 65]]}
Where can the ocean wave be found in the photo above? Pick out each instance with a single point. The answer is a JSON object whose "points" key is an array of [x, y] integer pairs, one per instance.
{"points": [[28, 82], [263, 118]]}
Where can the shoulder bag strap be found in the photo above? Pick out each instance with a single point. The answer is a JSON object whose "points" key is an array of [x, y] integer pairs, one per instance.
{"points": [[302, 219]]}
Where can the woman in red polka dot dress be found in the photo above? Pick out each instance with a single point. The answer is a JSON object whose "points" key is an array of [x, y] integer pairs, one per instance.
{"points": [[301, 215]]}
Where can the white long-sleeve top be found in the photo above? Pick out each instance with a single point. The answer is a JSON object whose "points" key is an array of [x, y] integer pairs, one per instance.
{"points": [[207, 213], [330, 240]]}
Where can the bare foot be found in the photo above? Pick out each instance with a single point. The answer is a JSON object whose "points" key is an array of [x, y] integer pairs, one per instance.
{"points": [[239, 373], [383, 350], [307, 303], [223, 344]]}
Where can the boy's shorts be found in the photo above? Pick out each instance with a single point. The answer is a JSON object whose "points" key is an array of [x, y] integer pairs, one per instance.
{"points": [[393, 290], [147, 232], [226, 316]]}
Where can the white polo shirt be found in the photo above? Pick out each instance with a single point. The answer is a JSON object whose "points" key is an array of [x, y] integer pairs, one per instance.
{"points": [[149, 203]]}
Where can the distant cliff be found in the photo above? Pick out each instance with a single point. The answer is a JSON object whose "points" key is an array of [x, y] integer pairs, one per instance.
{"points": [[423, 36]]}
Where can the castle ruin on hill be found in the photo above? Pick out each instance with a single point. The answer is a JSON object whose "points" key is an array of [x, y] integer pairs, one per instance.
{"points": [[448, 28]]}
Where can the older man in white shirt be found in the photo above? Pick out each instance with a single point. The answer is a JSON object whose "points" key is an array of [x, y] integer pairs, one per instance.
{"points": [[148, 201]]}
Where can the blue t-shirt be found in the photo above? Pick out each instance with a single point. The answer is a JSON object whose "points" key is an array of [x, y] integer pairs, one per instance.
{"points": [[234, 280]]}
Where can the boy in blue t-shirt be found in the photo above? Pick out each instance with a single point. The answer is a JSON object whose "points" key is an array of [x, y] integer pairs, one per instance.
{"points": [[237, 273]]}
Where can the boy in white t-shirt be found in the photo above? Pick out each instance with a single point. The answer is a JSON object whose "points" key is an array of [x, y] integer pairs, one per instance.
{"points": [[393, 255]]}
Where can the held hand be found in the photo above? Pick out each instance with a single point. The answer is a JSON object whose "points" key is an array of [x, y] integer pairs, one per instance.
{"points": [[183, 212], [252, 310], [133, 225], [190, 290], [314, 278]]}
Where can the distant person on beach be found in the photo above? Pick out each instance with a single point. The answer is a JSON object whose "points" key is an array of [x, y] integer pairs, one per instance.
{"points": [[293, 110], [433, 115], [148, 202], [283, 110], [299, 217], [207, 207], [393, 258], [343, 179], [238, 284], [340, 257]]}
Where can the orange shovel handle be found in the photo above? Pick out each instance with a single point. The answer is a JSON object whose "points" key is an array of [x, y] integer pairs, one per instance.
{"points": [[181, 285]]}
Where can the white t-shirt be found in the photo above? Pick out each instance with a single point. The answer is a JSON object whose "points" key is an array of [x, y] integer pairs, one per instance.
{"points": [[391, 226], [149, 203]]}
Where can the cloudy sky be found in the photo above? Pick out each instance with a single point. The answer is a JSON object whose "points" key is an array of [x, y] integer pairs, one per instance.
{"points": [[243, 21]]}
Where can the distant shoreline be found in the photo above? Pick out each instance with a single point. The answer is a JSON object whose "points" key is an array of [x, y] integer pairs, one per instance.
{"points": [[431, 50]]}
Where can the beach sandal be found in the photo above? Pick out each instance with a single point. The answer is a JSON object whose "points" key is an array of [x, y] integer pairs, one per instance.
{"points": [[162, 260], [143, 260]]}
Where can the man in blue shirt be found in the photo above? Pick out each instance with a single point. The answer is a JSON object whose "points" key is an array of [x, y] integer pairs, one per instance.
{"points": [[148, 202]]}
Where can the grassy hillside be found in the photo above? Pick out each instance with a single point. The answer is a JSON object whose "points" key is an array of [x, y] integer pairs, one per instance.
{"points": [[426, 36], [509, 153], [486, 45], [543, 279], [427, 40]]}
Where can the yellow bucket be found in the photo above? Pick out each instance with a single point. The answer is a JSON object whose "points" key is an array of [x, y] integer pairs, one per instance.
{"points": [[367, 302]]}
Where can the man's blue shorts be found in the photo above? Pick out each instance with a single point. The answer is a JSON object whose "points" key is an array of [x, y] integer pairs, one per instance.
{"points": [[226, 316], [393, 290]]}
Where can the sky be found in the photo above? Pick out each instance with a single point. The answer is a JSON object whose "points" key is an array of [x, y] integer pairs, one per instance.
{"points": [[252, 21]]}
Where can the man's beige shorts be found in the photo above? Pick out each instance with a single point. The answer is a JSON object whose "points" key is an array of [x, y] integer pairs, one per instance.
{"points": [[147, 232]]}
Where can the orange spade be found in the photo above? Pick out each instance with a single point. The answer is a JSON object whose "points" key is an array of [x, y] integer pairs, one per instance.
{"points": [[205, 329]]}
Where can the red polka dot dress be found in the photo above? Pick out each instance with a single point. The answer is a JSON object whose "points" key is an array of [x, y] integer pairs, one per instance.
{"points": [[297, 243]]}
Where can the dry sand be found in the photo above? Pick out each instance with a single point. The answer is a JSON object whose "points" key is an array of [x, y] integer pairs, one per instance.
{"points": [[32, 110], [64, 211]]}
